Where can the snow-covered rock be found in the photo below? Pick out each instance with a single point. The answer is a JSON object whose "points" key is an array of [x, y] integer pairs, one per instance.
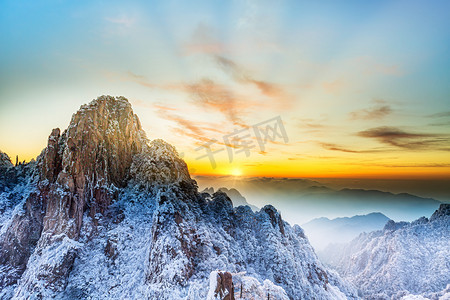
{"points": [[403, 258]]}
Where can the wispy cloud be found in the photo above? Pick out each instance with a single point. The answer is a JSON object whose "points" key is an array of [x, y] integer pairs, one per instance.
{"points": [[266, 88], [142, 80], [435, 165], [184, 127], [409, 140], [444, 123], [335, 147], [334, 87], [203, 41], [163, 107], [371, 66], [206, 94], [373, 113], [313, 125], [440, 115], [125, 21], [217, 97]]}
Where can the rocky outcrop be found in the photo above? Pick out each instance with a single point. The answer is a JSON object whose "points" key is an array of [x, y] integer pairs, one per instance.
{"points": [[7, 172], [391, 225], [20, 239], [80, 171], [5, 161], [275, 217], [235, 196], [51, 159], [159, 165], [90, 161], [222, 287], [443, 211]]}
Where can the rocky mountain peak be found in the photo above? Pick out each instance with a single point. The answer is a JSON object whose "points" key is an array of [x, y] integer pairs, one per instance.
{"points": [[51, 160], [5, 161], [80, 170], [159, 164], [442, 211], [275, 217], [103, 136], [6, 167], [91, 159], [391, 225]]}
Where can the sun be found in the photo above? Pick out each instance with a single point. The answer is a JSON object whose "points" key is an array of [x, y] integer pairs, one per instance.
{"points": [[236, 172]]}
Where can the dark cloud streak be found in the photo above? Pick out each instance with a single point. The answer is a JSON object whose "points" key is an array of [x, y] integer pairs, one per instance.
{"points": [[335, 147], [440, 115], [408, 140], [374, 113]]}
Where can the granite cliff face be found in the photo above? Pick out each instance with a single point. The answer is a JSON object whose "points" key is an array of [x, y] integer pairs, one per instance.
{"points": [[79, 171], [104, 213]]}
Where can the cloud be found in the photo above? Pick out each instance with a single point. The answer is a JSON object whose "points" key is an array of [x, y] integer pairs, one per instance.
{"points": [[370, 66], [203, 41], [142, 80], [314, 125], [445, 123], [153, 105], [431, 165], [163, 107], [335, 147], [268, 89], [408, 140], [205, 94], [222, 98], [334, 87], [185, 127], [393, 70], [373, 113], [122, 21], [119, 26], [210, 95], [440, 115]]}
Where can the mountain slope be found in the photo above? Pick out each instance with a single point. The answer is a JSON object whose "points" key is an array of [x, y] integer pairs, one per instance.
{"points": [[104, 214], [402, 258]]}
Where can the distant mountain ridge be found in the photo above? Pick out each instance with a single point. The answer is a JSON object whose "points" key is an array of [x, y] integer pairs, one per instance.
{"points": [[301, 200], [323, 231]]}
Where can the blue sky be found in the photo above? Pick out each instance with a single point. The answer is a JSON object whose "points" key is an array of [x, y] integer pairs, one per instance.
{"points": [[336, 69]]}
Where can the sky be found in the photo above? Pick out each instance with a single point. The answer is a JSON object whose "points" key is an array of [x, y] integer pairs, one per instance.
{"points": [[335, 89]]}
